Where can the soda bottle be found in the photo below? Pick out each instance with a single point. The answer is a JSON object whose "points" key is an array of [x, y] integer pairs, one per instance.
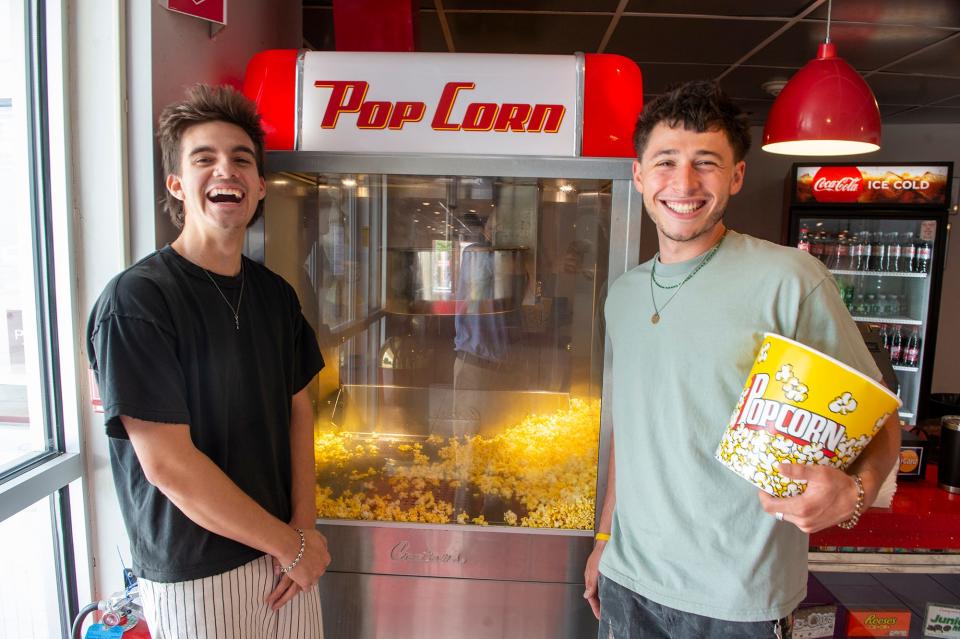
{"points": [[878, 252], [856, 252], [816, 245], [848, 293], [896, 345], [893, 251], [859, 305], [911, 355], [829, 243], [908, 253], [841, 253], [924, 253], [866, 252], [804, 243], [885, 337]]}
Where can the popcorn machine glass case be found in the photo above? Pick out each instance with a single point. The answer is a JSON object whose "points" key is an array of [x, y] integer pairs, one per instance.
{"points": [[458, 304]]}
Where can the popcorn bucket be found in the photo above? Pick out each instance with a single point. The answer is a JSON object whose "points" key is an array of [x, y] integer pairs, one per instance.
{"points": [[803, 407]]}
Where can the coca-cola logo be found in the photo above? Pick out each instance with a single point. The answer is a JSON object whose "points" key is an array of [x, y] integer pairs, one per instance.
{"points": [[837, 184]]}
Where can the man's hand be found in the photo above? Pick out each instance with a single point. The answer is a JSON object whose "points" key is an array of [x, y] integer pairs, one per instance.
{"points": [[305, 575], [829, 499], [591, 576]]}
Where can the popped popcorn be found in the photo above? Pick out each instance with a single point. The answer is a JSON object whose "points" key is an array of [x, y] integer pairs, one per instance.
{"points": [[541, 472]]}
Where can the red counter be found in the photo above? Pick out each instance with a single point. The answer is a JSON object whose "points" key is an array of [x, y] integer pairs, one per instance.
{"points": [[922, 518]]}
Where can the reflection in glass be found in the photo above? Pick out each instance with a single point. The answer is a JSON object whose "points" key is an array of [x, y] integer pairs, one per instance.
{"points": [[28, 591], [21, 429], [460, 319]]}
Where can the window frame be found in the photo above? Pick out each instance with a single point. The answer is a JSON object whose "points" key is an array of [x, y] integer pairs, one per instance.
{"points": [[49, 473]]}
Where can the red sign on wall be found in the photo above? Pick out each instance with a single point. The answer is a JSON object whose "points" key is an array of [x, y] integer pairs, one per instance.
{"points": [[884, 184], [211, 10]]}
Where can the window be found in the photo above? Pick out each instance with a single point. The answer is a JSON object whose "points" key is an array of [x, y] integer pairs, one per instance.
{"points": [[35, 468]]}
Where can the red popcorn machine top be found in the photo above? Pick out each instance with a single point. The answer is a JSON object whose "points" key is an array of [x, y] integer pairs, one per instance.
{"points": [[451, 223]]}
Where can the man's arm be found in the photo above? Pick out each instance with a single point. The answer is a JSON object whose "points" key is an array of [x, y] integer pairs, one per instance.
{"points": [[303, 484], [591, 573], [204, 493], [831, 494]]}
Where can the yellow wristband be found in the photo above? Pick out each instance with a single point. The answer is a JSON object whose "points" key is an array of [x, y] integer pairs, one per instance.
{"points": [[602, 537]]}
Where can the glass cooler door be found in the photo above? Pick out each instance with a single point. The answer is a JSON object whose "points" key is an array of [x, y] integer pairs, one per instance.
{"points": [[883, 268], [461, 323]]}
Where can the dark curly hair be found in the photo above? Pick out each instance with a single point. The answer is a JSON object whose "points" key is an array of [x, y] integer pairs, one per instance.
{"points": [[699, 106], [204, 103]]}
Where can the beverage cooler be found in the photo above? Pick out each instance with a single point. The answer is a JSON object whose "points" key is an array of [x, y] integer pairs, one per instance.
{"points": [[451, 242], [881, 230]]}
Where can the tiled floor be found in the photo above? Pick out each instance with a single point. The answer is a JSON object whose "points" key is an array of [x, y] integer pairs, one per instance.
{"points": [[891, 591]]}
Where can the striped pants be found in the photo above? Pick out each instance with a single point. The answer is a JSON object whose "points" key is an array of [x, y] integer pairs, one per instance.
{"points": [[229, 606]]}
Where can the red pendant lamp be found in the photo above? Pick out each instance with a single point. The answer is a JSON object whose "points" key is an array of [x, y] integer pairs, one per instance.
{"points": [[825, 109]]}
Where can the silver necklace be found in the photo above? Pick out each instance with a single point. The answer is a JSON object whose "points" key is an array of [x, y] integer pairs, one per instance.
{"points": [[655, 318], [235, 311]]}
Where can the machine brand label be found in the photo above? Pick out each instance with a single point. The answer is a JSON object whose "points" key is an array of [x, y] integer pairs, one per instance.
{"points": [[439, 103], [402, 552], [349, 96]]}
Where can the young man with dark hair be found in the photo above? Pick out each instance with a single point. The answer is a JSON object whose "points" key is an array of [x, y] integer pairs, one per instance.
{"points": [[203, 359], [686, 548]]}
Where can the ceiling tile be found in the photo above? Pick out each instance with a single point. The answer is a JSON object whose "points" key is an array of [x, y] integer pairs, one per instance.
{"points": [[608, 6], [429, 33], [911, 89], [763, 8], [525, 33], [746, 82], [657, 78], [926, 115], [687, 40], [318, 28], [930, 13], [756, 110], [865, 46], [941, 59]]}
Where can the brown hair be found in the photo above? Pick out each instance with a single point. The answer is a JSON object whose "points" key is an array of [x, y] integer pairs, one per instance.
{"points": [[204, 103], [699, 106]]}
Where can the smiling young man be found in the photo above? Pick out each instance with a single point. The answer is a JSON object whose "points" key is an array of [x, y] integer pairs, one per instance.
{"points": [[687, 549], [202, 357]]}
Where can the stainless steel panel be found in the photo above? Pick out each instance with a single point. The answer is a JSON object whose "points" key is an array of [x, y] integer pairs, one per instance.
{"points": [[506, 554], [390, 607], [502, 166]]}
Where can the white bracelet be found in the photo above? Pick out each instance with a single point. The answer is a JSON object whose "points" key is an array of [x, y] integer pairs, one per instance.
{"points": [[296, 560]]}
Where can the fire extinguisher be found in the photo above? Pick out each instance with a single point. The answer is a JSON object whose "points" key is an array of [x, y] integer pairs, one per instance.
{"points": [[121, 615]]}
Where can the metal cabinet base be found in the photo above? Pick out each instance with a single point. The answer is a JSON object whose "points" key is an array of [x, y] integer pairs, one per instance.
{"points": [[359, 606]]}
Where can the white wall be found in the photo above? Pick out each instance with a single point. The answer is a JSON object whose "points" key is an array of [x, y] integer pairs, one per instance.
{"points": [[759, 209], [128, 60]]}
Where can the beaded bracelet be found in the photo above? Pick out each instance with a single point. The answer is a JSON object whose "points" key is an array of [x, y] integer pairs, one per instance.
{"points": [[858, 509], [296, 560]]}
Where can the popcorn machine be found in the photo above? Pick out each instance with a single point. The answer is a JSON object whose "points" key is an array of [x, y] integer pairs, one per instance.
{"points": [[451, 240]]}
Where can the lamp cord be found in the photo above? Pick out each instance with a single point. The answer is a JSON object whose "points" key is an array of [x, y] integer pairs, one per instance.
{"points": [[829, 11]]}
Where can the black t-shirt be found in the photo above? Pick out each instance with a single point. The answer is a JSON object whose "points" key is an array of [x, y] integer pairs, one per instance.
{"points": [[164, 346]]}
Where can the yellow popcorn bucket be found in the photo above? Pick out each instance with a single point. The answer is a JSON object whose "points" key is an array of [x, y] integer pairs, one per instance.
{"points": [[803, 407]]}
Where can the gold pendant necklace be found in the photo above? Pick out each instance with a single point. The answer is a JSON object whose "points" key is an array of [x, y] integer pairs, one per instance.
{"points": [[655, 318]]}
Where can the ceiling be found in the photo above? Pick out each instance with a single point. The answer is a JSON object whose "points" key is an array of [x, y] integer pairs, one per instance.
{"points": [[907, 50]]}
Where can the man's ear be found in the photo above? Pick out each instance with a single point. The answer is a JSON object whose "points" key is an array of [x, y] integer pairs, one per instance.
{"points": [[175, 186], [637, 176]]}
